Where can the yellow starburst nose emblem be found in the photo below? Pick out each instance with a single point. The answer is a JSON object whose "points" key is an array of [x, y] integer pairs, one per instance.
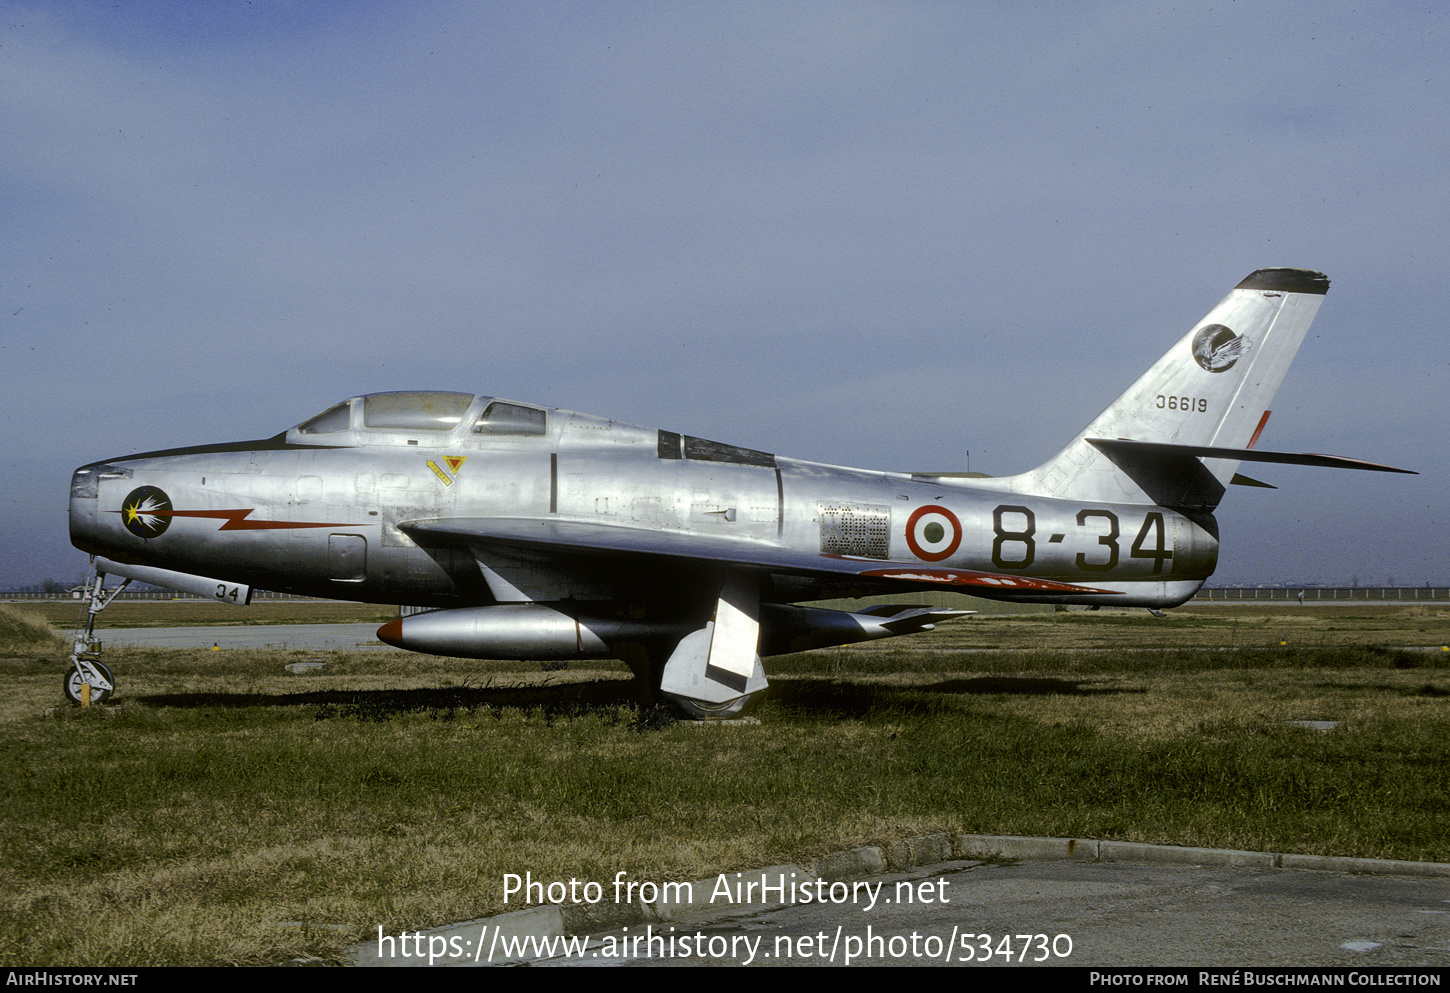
{"points": [[146, 512]]}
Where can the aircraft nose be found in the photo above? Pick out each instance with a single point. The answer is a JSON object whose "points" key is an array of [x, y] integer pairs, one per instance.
{"points": [[84, 489]]}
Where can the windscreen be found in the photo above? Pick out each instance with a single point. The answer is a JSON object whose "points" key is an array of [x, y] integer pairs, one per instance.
{"points": [[331, 419]]}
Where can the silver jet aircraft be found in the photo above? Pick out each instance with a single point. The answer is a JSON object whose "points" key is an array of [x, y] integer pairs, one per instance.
{"points": [[530, 532]]}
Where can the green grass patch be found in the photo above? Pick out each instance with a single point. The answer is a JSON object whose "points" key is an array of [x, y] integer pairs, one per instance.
{"points": [[227, 812]]}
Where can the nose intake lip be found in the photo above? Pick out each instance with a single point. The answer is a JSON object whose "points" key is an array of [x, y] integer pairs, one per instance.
{"points": [[85, 488]]}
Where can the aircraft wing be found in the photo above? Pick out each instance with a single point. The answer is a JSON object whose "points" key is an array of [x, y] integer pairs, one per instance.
{"points": [[581, 537]]}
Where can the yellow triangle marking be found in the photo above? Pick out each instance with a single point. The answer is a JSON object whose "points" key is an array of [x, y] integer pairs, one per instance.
{"points": [[455, 462]]}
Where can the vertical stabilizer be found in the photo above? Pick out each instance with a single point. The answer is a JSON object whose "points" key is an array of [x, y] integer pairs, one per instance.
{"points": [[1213, 388]]}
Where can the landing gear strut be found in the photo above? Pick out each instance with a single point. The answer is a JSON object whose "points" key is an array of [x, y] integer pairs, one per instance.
{"points": [[86, 668]]}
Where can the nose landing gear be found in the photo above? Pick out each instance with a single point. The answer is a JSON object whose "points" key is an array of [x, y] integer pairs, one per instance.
{"points": [[86, 668]]}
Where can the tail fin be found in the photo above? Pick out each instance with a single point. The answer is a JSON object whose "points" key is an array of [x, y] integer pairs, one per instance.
{"points": [[1211, 390]]}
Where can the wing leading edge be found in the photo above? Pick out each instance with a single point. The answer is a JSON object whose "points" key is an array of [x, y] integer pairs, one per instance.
{"points": [[576, 537]]}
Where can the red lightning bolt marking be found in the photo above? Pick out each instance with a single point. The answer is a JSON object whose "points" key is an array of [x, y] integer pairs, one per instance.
{"points": [[236, 520]]}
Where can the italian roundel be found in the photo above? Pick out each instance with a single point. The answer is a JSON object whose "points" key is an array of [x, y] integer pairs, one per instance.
{"points": [[933, 533]]}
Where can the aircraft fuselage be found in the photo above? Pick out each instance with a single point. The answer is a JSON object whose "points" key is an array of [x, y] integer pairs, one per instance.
{"points": [[327, 514]]}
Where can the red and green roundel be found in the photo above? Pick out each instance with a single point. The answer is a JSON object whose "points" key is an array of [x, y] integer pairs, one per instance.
{"points": [[933, 533]]}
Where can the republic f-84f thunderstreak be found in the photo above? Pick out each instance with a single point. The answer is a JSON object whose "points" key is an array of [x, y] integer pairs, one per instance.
{"points": [[536, 533]]}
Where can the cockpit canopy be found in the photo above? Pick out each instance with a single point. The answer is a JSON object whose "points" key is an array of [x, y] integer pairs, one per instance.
{"points": [[410, 418]]}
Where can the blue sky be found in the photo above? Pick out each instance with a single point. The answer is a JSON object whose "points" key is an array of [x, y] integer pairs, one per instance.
{"points": [[881, 235]]}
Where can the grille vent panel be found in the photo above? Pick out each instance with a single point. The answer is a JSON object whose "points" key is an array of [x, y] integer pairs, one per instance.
{"points": [[858, 529]]}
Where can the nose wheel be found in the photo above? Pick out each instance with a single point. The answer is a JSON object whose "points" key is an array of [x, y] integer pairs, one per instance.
{"points": [[84, 672]]}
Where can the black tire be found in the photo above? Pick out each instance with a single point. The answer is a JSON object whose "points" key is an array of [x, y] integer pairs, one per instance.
{"points": [[696, 711]]}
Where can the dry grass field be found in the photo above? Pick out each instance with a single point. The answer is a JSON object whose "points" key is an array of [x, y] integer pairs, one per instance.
{"points": [[225, 811], [64, 614]]}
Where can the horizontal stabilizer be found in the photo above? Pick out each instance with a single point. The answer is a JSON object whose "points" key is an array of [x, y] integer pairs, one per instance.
{"points": [[1168, 450]]}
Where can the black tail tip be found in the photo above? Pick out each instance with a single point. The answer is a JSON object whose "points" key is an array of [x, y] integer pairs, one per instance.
{"points": [[1287, 281]]}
